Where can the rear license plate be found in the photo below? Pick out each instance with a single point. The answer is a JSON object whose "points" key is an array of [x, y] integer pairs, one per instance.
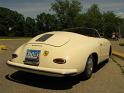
{"points": [[32, 55]]}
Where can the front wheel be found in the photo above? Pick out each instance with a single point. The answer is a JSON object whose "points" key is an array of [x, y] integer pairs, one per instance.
{"points": [[89, 67]]}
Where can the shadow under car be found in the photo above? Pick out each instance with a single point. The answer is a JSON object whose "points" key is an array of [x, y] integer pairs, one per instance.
{"points": [[46, 82]]}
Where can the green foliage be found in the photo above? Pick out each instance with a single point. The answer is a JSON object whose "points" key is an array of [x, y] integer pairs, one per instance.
{"points": [[30, 27], [11, 19], [93, 18], [45, 22], [66, 11], [111, 23], [67, 14], [121, 26]]}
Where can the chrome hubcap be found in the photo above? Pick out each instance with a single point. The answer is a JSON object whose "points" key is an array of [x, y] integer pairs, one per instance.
{"points": [[90, 65]]}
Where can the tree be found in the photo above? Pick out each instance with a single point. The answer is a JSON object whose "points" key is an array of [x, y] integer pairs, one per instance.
{"points": [[67, 14], [66, 11], [18, 25], [111, 23], [30, 27], [11, 19], [93, 18], [2, 30], [79, 20], [45, 22], [121, 26]]}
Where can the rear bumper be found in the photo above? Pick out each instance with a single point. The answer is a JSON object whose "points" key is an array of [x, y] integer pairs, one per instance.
{"points": [[42, 70]]}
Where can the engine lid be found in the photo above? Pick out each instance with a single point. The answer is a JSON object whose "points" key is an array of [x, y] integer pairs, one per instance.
{"points": [[56, 40]]}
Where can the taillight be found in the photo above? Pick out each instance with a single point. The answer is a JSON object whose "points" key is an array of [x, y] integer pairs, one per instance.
{"points": [[14, 56], [59, 61]]}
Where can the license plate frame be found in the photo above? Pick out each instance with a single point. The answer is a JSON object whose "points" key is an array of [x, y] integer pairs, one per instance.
{"points": [[32, 56]]}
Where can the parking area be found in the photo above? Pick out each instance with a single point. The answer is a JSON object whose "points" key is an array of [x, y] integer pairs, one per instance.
{"points": [[109, 78]]}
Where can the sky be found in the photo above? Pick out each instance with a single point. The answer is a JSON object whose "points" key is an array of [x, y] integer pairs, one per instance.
{"points": [[33, 7]]}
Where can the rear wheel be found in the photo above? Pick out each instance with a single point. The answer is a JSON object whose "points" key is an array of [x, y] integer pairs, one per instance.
{"points": [[89, 67]]}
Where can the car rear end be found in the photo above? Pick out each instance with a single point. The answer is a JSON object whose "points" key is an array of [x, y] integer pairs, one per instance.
{"points": [[45, 54]]}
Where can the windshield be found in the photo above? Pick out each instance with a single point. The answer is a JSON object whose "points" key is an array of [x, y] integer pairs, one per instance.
{"points": [[84, 31]]}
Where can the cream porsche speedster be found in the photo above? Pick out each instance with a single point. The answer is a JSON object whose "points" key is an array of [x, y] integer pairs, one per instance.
{"points": [[62, 53]]}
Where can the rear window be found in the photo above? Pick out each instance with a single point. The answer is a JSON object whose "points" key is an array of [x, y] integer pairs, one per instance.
{"points": [[44, 37]]}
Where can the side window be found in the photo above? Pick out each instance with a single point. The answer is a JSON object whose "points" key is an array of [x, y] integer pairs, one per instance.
{"points": [[94, 33]]}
